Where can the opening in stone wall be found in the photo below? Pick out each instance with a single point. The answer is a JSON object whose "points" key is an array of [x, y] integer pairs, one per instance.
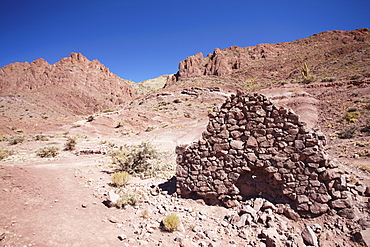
{"points": [[256, 184]]}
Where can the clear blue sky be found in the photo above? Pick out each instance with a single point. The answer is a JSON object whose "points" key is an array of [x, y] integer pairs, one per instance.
{"points": [[144, 39]]}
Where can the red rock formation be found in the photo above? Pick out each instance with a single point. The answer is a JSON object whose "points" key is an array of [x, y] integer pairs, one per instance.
{"points": [[329, 54], [90, 82], [192, 66]]}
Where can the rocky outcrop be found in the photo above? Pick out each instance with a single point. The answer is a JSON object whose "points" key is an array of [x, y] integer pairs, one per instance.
{"points": [[252, 148], [90, 81], [328, 54]]}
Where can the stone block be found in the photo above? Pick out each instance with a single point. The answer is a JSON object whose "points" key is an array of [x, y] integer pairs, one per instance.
{"points": [[291, 214], [237, 144], [220, 147], [252, 142], [331, 174], [302, 199], [340, 203], [318, 208]]}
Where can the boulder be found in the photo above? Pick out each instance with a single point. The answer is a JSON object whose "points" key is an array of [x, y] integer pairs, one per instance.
{"points": [[309, 236], [291, 214], [363, 236], [112, 199], [272, 238]]}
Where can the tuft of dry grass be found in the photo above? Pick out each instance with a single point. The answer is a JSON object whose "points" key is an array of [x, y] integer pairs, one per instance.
{"points": [[120, 179], [171, 222], [145, 214], [127, 200]]}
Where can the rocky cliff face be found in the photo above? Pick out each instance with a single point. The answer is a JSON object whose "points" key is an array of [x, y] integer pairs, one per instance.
{"points": [[78, 84], [337, 54]]}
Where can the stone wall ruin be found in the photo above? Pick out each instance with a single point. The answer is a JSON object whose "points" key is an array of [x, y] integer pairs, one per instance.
{"points": [[252, 148]]}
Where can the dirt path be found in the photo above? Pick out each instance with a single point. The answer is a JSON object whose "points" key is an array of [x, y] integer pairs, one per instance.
{"points": [[53, 205]]}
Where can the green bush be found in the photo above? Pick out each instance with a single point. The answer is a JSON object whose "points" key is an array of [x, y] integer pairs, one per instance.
{"points": [[70, 144], [171, 222], [120, 179], [135, 159], [48, 152]]}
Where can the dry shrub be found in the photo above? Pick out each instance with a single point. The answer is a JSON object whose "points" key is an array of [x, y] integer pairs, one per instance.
{"points": [[13, 140], [48, 152], [328, 79], [348, 132], [351, 115], [5, 153], [90, 118], [363, 152], [145, 214], [120, 179], [365, 168], [135, 159], [70, 144], [127, 200], [40, 137], [119, 124], [171, 222], [366, 127], [143, 159], [307, 77]]}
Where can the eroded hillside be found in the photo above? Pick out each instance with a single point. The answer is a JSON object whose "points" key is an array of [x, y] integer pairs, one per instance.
{"points": [[330, 56]]}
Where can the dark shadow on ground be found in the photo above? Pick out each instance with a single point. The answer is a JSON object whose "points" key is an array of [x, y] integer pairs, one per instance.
{"points": [[169, 186]]}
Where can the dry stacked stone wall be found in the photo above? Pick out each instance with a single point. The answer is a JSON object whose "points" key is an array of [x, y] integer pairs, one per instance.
{"points": [[252, 148]]}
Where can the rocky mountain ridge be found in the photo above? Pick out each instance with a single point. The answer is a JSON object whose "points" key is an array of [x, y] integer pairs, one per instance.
{"points": [[87, 81], [32, 94], [329, 55], [75, 69]]}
